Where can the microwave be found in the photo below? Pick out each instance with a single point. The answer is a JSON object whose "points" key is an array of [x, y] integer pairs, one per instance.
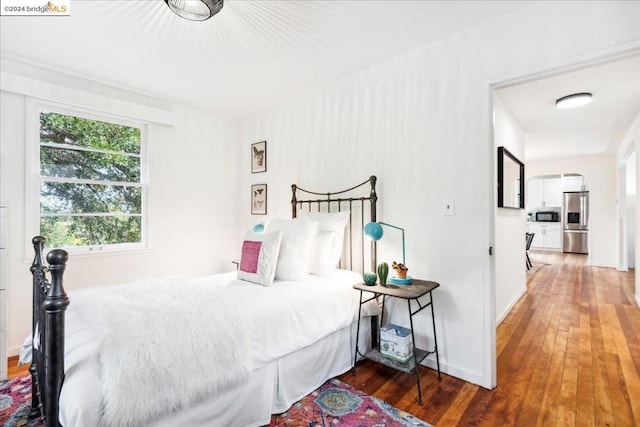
{"points": [[547, 216]]}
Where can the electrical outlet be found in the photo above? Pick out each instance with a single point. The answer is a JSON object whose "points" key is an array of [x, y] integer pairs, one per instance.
{"points": [[449, 207]]}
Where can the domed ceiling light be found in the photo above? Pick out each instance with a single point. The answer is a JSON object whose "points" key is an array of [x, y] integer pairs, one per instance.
{"points": [[574, 100], [195, 10]]}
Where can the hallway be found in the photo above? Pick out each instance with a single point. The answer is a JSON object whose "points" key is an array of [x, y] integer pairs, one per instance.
{"points": [[574, 343]]}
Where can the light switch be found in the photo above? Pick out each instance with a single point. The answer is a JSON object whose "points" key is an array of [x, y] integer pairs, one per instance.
{"points": [[449, 207]]}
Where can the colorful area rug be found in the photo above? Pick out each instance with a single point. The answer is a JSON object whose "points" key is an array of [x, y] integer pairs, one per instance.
{"points": [[15, 403], [333, 404], [338, 404]]}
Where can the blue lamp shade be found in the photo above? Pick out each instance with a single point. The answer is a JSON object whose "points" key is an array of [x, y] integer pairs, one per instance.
{"points": [[258, 228], [373, 230]]}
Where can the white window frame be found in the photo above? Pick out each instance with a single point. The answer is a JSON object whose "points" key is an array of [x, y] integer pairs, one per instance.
{"points": [[32, 226]]}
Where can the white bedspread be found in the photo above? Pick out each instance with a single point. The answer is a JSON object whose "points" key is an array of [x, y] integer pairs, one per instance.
{"points": [[276, 321], [143, 343]]}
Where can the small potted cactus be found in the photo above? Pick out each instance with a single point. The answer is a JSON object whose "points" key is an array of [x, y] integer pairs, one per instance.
{"points": [[401, 269], [383, 272], [370, 278]]}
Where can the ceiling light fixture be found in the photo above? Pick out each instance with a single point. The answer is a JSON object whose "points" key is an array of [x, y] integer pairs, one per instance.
{"points": [[195, 10], [574, 100]]}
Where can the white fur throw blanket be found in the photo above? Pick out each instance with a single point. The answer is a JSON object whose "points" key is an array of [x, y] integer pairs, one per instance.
{"points": [[164, 344]]}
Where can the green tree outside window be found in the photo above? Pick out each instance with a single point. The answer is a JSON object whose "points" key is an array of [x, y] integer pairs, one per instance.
{"points": [[90, 186]]}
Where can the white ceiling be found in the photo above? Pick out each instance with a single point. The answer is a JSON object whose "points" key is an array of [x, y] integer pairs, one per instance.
{"points": [[594, 128], [254, 55], [249, 57]]}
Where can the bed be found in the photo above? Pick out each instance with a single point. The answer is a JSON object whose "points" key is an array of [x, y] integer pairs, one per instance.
{"points": [[117, 355]]}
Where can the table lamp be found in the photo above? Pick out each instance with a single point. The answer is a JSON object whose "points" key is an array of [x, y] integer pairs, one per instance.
{"points": [[374, 231]]}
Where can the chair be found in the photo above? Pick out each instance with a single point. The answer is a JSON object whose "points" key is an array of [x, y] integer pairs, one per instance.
{"points": [[529, 239]]}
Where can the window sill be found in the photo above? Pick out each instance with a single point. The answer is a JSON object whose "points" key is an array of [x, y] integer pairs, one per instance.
{"points": [[86, 253]]}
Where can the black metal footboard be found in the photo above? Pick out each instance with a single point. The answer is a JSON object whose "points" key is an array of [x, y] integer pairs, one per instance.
{"points": [[49, 305]]}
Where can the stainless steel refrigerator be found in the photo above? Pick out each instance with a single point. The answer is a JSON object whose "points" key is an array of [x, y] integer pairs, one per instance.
{"points": [[575, 222]]}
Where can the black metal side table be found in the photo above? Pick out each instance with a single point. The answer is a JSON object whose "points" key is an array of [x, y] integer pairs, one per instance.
{"points": [[414, 291]]}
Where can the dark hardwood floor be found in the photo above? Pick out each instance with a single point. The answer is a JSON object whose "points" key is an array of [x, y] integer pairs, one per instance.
{"points": [[568, 355]]}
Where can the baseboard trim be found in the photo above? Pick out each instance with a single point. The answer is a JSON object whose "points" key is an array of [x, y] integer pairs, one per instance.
{"points": [[13, 352], [453, 371], [510, 306], [638, 300]]}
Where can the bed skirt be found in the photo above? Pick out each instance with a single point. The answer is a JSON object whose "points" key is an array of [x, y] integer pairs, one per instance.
{"points": [[271, 389]]}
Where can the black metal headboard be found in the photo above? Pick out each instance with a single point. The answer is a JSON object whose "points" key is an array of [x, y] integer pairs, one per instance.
{"points": [[362, 211]]}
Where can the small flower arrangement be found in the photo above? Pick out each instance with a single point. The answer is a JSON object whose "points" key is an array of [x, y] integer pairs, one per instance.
{"points": [[400, 269]]}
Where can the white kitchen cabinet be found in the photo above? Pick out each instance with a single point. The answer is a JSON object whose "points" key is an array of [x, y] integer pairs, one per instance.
{"points": [[535, 193], [547, 236], [573, 183], [538, 237], [552, 192], [544, 193]]}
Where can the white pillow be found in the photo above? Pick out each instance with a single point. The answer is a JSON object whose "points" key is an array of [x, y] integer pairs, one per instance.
{"points": [[335, 222], [295, 249], [259, 257], [321, 254]]}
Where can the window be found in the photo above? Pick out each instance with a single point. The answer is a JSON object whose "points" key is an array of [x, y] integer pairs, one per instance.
{"points": [[91, 189]]}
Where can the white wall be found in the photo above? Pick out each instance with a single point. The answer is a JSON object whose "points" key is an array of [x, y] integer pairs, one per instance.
{"points": [[191, 199], [630, 210], [510, 224], [635, 132], [599, 172], [629, 144], [422, 123]]}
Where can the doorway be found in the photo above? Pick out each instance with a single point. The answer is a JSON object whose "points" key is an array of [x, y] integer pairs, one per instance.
{"points": [[566, 153], [580, 141], [627, 201]]}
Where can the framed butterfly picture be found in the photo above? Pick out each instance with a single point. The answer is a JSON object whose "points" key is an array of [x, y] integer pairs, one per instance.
{"points": [[259, 199], [259, 157]]}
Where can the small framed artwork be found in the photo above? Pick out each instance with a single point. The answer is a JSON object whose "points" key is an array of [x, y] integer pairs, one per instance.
{"points": [[259, 157], [259, 199]]}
